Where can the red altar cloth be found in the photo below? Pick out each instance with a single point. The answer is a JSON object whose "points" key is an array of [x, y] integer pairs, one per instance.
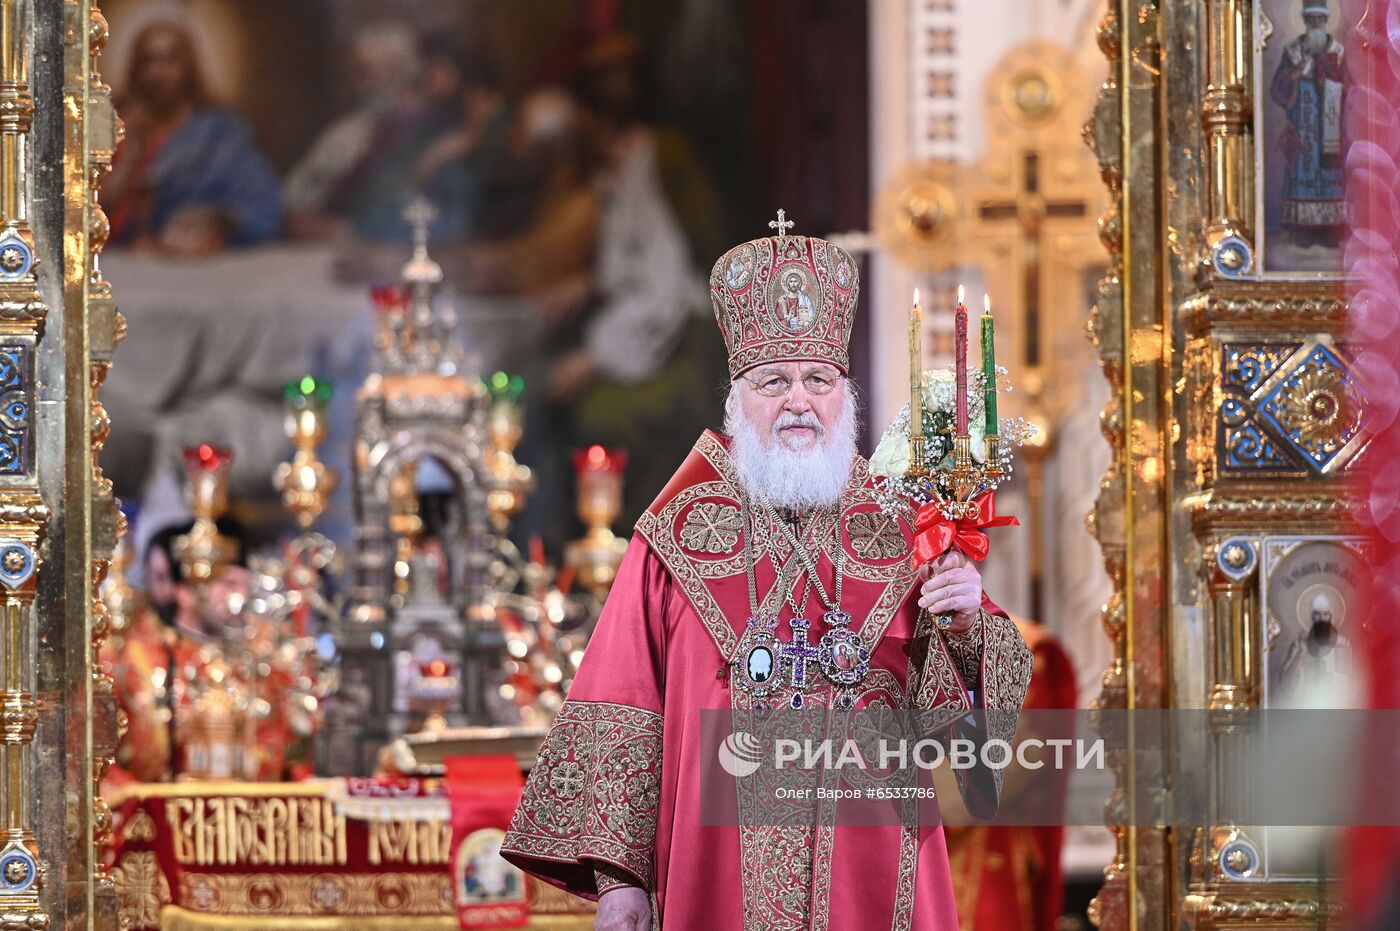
{"points": [[339, 847], [362, 854]]}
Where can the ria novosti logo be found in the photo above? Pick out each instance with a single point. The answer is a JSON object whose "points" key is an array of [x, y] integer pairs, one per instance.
{"points": [[741, 754]]}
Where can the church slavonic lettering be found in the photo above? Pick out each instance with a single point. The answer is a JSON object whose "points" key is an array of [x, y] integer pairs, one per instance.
{"points": [[413, 842], [259, 832]]}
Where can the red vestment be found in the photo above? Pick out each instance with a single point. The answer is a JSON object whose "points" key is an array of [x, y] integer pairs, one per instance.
{"points": [[1009, 878], [152, 674], [141, 675], [617, 781]]}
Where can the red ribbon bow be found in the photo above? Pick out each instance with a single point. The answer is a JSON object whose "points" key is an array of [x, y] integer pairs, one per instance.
{"points": [[935, 534]]}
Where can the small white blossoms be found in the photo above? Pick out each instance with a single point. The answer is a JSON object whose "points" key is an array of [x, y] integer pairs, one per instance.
{"points": [[891, 456]]}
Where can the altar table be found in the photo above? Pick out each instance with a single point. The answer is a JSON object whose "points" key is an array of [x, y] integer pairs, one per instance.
{"points": [[320, 855]]}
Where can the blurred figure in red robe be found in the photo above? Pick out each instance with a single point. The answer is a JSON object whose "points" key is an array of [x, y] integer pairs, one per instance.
{"points": [[161, 657], [1009, 878]]}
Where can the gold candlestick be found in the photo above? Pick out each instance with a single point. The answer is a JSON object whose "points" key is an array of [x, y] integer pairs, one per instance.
{"points": [[966, 481], [994, 456], [509, 482], [215, 733], [596, 557], [204, 552], [962, 451], [305, 482]]}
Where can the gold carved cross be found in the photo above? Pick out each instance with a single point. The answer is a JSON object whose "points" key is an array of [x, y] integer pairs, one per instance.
{"points": [[1031, 214], [1023, 213]]}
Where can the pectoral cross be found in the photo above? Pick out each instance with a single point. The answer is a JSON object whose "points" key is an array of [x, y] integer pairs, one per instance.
{"points": [[782, 224], [800, 653]]}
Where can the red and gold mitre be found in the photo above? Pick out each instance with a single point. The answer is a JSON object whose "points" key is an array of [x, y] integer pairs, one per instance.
{"points": [[785, 298]]}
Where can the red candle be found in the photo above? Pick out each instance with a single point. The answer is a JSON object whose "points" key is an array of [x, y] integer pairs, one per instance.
{"points": [[960, 362]]}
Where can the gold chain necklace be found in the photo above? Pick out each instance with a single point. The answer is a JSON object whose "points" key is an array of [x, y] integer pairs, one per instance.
{"points": [[810, 564], [762, 662], [776, 593]]}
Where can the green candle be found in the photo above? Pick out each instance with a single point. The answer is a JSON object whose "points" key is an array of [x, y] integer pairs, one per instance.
{"points": [[989, 366]]}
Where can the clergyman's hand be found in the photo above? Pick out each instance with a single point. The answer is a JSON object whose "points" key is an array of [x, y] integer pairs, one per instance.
{"points": [[626, 908], [953, 586]]}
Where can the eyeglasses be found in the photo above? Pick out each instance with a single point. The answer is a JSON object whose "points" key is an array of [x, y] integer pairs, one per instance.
{"points": [[775, 385]]}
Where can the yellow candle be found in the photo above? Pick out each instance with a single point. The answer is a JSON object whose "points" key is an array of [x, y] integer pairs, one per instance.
{"points": [[916, 358]]}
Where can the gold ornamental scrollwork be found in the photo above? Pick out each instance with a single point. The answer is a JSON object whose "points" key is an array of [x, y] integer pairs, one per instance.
{"points": [[92, 119], [318, 894], [918, 212], [1283, 908], [1266, 306], [1329, 508], [1033, 95], [1104, 135], [142, 890]]}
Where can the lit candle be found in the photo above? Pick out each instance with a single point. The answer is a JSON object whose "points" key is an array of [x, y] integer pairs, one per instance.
{"points": [[989, 365], [916, 395], [960, 362]]}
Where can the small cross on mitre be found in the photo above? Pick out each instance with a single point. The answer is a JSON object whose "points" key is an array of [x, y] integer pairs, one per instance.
{"points": [[782, 224]]}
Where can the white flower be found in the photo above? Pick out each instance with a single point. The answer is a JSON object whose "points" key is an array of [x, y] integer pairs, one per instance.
{"points": [[891, 457], [941, 391], [977, 433]]}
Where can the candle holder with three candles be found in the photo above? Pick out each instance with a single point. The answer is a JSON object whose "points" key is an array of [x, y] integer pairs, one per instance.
{"points": [[948, 449]]}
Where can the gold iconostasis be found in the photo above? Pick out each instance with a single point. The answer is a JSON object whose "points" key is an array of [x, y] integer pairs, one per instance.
{"points": [[347, 501]]}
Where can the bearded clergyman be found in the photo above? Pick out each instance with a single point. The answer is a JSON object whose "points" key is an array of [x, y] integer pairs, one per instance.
{"points": [[768, 574]]}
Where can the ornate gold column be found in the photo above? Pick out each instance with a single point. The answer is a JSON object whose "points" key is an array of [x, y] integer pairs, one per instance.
{"points": [[1103, 134], [1272, 432], [23, 514], [1230, 570], [1132, 333], [1234, 424], [105, 326], [58, 519], [1226, 111], [23, 518]]}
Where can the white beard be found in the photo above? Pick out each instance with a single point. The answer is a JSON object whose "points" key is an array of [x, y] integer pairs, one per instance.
{"points": [[790, 478]]}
